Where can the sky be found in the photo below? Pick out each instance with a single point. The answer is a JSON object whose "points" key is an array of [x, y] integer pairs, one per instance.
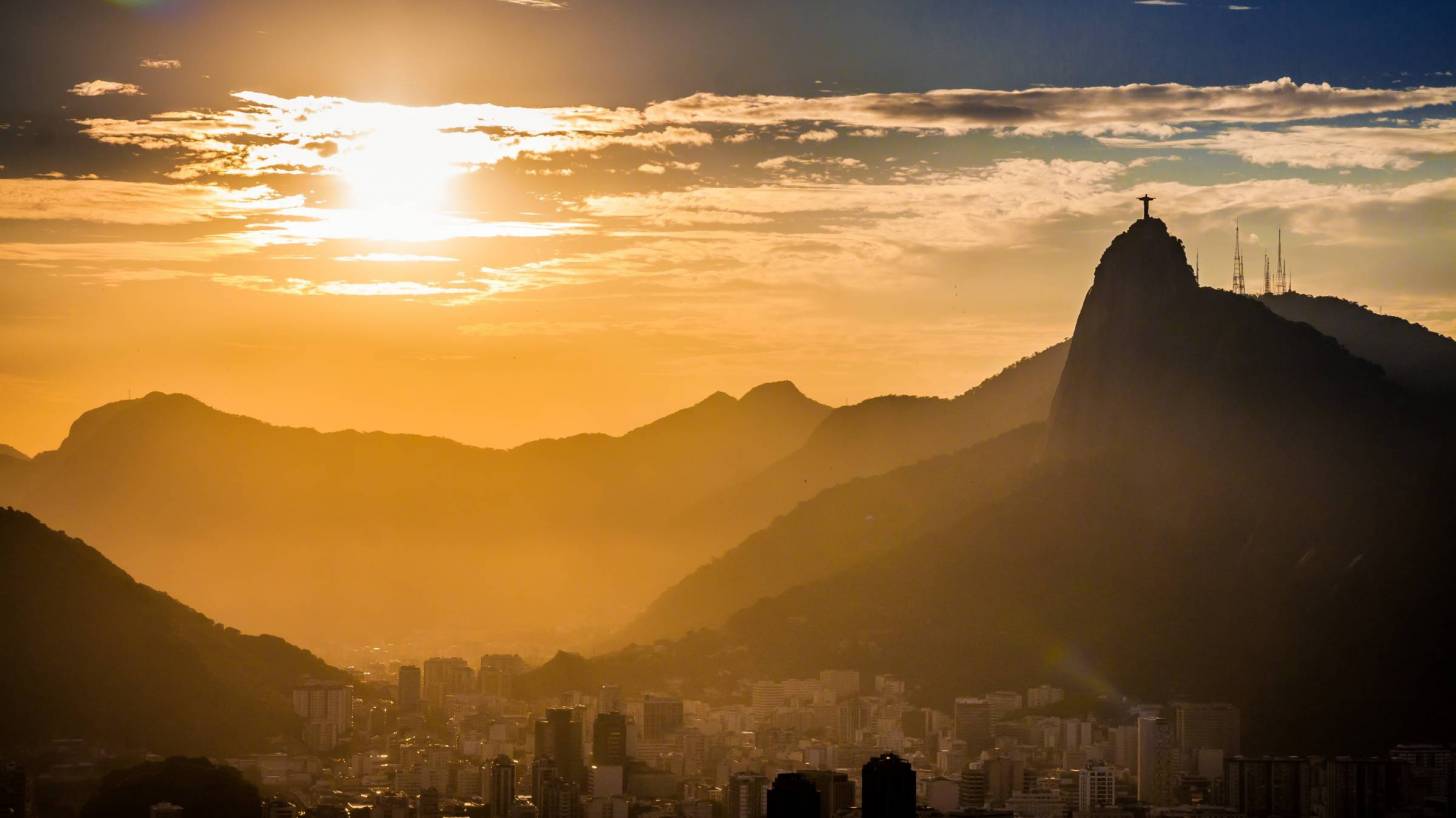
{"points": [[497, 221]]}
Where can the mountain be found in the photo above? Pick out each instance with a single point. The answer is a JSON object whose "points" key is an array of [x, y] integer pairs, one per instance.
{"points": [[880, 434], [840, 527], [91, 652], [1229, 506], [369, 536], [11, 453], [1410, 354]]}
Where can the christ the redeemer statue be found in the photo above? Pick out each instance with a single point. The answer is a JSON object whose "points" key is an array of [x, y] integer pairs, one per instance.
{"points": [[1145, 199]]}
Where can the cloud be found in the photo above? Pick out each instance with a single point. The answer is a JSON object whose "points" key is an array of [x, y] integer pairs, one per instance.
{"points": [[160, 64], [275, 135], [133, 203], [537, 4], [99, 88], [1157, 3], [657, 169], [396, 258], [1241, 8], [1156, 110], [822, 135], [1322, 146]]}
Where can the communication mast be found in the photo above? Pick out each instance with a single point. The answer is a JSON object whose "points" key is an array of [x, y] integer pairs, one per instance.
{"points": [[1238, 262], [1266, 272], [1195, 267], [1281, 272]]}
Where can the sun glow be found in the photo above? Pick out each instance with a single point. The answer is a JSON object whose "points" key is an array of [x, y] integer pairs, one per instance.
{"points": [[399, 166]]}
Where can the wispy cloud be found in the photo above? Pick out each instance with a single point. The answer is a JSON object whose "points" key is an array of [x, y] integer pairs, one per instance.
{"points": [[100, 88], [1148, 109], [134, 203], [1323, 146], [160, 64], [537, 4]]}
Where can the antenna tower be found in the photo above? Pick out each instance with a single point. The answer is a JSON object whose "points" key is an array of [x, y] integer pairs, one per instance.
{"points": [[1195, 267], [1238, 262], [1281, 273], [1266, 272]]}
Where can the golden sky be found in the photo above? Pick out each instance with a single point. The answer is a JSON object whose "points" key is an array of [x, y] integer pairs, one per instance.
{"points": [[358, 237]]}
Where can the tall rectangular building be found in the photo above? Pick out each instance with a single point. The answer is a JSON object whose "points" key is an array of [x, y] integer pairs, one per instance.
{"points": [[973, 725], [409, 688], [747, 795], [1157, 762], [1207, 726], [662, 716]]}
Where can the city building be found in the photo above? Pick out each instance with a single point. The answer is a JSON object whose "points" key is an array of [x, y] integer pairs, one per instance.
{"points": [[1156, 761], [502, 793], [973, 725], [662, 716], [792, 796], [609, 739], [1207, 726], [747, 796], [409, 688], [1096, 788], [887, 788]]}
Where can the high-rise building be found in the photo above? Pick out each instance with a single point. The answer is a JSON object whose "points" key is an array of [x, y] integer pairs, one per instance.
{"points": [[1043, 696], [1157, 761], [326, 709], [497, 670], [973, 725], [15, 790], [1433, 770], [1207, 726], [605, 780], [609, 739], [444, 676], [844, 683], [502, 786], [609, 699], [747, 795], [662, 716], [1358, 787], [558, 737], [1096, 788], [972, 792], [888, 788], [1268, 787], [767, 698], [409, 688], [836, 791], [543, 769], [792, 795], [1003, 703]]}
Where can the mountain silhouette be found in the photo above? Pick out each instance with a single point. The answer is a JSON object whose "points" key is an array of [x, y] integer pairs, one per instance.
{"points": [[873, 437], [1410, 354], [11, 453], [91, 652], [214, 506], [1229, 505]]}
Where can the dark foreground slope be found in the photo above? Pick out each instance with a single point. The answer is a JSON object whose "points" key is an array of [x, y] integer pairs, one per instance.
{"points": [[89, 652], [1230, 506], [841, 527]]}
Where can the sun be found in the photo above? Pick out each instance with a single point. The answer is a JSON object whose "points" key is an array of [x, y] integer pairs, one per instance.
{"points": [[398, 166]]}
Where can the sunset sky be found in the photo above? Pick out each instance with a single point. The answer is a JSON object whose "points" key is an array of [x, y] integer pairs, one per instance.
{"points": [[496, 221]]}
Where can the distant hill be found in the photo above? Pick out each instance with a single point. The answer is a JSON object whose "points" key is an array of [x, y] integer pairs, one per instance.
{"points": [[1230, 506], [1409, 353], [366, 536], [884, 433], [11, 453], [90, 652]]}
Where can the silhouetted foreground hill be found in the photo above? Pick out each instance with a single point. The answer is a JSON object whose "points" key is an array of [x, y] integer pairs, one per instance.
{"points": [[1410, 354], [90, 652], [1230, 506], [308, 533]]}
